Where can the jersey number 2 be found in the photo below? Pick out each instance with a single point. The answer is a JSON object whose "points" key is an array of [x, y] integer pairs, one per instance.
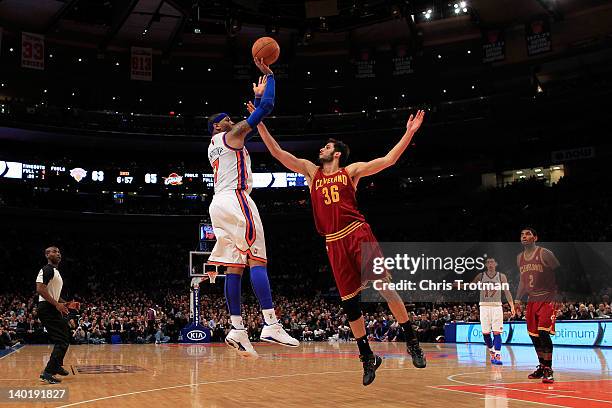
{"points": [[335, 196]]}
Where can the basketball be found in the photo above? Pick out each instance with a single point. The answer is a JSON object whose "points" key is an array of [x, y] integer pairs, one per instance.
{"points": [[266, 48]]}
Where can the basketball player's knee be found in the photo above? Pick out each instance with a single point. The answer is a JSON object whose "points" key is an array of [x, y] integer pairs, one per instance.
{"points": [[535, 340], [253, 262], [545, 341], [234, 270], [352, 309], [496, 333], [391, 296]]}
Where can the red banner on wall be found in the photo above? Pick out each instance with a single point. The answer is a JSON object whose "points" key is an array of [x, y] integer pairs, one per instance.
{"points": [[142, 64], [493, 45], [537, 36], [32, 51]]}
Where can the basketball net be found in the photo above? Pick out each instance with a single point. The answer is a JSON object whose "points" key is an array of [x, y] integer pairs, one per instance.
{"points": [[212, 275]]}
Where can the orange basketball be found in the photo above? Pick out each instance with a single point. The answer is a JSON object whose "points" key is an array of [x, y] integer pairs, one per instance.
{"points": [[266, 48]]}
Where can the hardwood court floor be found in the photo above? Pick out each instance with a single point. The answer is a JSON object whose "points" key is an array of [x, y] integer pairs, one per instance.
{"points": [[313, 375]]}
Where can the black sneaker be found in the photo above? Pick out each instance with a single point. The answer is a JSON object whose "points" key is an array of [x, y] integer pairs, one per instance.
{"points": [[49, 379], [547, 377], [61, 371], [370, 365], [537, 374], [418, 357]]}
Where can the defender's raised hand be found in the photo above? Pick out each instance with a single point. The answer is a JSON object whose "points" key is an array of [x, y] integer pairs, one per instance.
{"points": [[414, 122], [250, 107], [260, 86]]}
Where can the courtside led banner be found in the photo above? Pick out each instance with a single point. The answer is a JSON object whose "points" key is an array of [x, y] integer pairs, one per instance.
{"points": [[567, 333]]}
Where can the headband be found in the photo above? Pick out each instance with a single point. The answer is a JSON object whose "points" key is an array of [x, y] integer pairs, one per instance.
{"points": [[217, 119]]}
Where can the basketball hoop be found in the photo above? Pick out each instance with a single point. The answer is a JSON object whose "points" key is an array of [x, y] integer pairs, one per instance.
{"points": [[212, 275]]}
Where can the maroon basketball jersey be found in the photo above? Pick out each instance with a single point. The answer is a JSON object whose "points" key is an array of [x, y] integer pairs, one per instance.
{"points": [[537, 277], [333, 201]]}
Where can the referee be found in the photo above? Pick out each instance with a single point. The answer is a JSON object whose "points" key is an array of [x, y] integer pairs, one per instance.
{"points": [[51, 308]]}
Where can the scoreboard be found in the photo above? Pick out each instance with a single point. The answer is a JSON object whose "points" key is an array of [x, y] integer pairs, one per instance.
{"points": [[136, 177]]}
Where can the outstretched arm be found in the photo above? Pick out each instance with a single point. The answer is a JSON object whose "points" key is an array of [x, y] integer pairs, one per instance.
{"points": [[302, 166], [363, 169], [235, 137]]}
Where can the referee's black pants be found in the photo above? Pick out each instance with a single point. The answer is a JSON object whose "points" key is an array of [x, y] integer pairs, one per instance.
{"points": [[59, 334]]}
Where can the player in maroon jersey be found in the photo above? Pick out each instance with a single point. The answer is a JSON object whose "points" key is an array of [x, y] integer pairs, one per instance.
{"points": [[537, 266], [337, 218]]}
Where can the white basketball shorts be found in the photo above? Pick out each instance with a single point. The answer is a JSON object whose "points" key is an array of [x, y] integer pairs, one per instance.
{"points": [[492, 319], [238, 228]]}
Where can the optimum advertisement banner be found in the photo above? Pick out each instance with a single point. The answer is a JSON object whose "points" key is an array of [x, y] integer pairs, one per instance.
{"points": [[567, 333]]}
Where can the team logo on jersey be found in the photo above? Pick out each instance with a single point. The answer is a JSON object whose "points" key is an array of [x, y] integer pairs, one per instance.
{"points": [[78, 174], [173, 179]]}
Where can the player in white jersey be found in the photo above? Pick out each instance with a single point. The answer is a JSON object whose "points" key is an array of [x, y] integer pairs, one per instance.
{"points": [[236, 221], [491, 311]]}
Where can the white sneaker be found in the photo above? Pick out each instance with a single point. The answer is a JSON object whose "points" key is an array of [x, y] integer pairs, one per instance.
{"points": [[275, 333], [239, 340]]}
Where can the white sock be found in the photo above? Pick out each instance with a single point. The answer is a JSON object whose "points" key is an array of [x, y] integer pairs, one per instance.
{"points": [[269, 316], [237, 322]]}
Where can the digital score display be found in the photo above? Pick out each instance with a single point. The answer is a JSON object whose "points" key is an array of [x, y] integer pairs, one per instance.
{"points": [[33, 171], [136, 177], [125, 177]]}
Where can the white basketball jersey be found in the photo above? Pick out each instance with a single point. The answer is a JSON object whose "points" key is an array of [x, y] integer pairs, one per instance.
{"points": [[231, 167], [490, 297]]}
